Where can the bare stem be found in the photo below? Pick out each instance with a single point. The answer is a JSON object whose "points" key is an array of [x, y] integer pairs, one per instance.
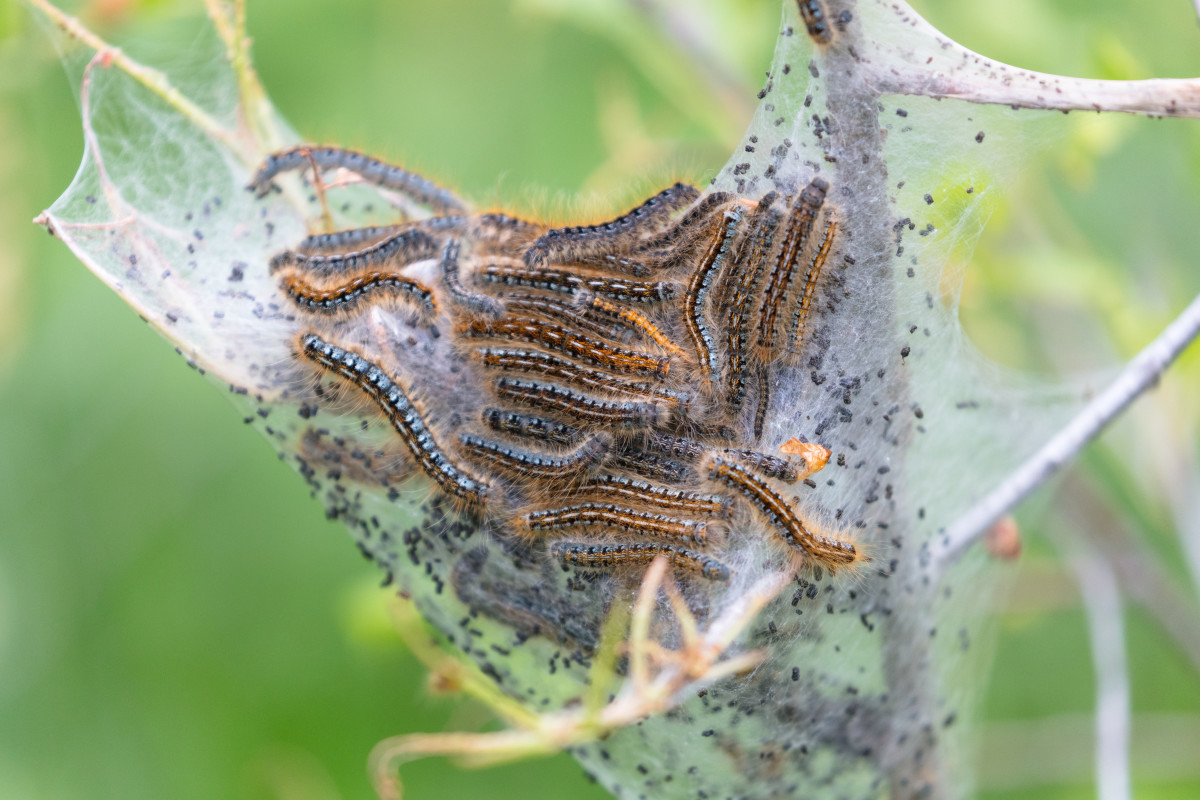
{"points": [[932, 64], [152, 79], [1139, 375], [1102, 602], [254, 109], [659, 679]]}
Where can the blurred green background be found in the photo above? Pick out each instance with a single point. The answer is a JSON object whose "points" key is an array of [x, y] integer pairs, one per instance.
{"points": [[177, 620]]}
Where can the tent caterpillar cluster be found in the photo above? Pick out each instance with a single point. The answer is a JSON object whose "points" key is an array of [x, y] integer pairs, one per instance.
{"points": [[598, 402]]}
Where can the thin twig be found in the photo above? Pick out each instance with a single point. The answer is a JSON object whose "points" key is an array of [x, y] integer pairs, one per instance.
{"points": [[1102, 602], [659, 680], [253, 107], [152, 79], [639, 625], [940, 67], [1140, 374]]}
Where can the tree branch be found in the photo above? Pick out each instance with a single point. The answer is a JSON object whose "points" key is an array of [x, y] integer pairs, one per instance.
{"points": [[1140, 374], [1102, 602], [932, 64]]}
